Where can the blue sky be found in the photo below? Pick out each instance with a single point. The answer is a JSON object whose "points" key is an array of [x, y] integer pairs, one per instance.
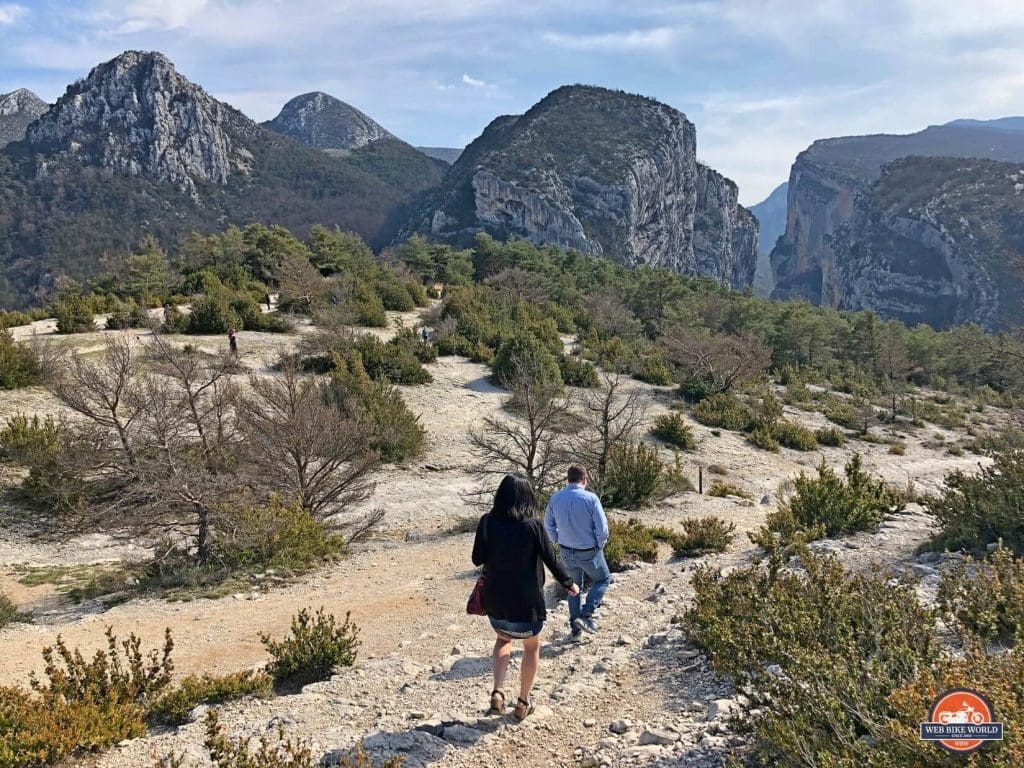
{"points": [[761, 79]]}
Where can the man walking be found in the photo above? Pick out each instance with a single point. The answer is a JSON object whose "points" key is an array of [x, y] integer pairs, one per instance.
{"points": [[576, 522]]}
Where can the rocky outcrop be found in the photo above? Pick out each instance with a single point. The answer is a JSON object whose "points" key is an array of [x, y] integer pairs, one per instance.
{"points": [[936, 241], [725, 234], [18, 110], [771, 218], [824, 183], [604, 172], [319, 120], [136, 115]]}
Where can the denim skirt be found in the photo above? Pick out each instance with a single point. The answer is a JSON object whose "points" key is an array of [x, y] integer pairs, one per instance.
{"points": [[517, 630]]}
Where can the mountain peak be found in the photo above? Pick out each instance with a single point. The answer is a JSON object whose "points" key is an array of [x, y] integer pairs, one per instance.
{"points": [[320, 120], [137, 115], [17, 111]]}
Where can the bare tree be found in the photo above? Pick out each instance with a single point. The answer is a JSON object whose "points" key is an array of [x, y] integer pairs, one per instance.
{"points": [[535, 441], [294, 442], [611, 417], [721, 361]]}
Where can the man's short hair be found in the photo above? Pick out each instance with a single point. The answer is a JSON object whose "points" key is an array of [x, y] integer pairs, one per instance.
{"points": [[577, 474]]}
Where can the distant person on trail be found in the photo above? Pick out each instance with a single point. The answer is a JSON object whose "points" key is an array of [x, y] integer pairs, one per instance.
{"points": [[576, 522], [511, 544], [266, 298], [233, 342], [424, 334]]}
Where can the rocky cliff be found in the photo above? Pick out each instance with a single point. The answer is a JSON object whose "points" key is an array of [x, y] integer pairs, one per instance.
{"points": [[17, 111], [824, 183], [603, 172], [135, 149], [322, 121], [771, 218], [937, 241]]}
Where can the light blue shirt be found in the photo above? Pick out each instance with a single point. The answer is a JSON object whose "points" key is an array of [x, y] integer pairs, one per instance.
{"points": [[576, 519]]}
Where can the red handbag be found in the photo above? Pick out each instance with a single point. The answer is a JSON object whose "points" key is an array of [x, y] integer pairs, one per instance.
{"points": [[475, 604]]}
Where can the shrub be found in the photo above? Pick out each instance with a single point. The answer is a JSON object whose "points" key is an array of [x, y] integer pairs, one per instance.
{"points": [[986, 597], [9, 613], [829, 505], [19, 364], [127, 315], [636, 475], [721, 490], [74, 315], [795, 436], [394, 363], [40, 445], [846, 414], [763, 438], [826, 648], [174, 321], [702, 535], [393, 294], [830, 436], [977, 509], [408, 339], [212, 314], [897, 448], [629, 542], [653, 369], [524, 352], [673, 429], [576, 372], [724, 411], [174, 706], [317, 644], [369, 307], [10, 318]]}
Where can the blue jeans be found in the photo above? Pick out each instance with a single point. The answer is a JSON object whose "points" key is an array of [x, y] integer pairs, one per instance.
{"points": [[589, 563]]}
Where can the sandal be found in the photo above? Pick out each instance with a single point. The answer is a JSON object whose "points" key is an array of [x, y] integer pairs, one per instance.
{"points": [[497, 703], [523, 709]]}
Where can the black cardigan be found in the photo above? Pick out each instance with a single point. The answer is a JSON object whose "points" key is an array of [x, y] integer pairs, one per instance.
{"points": [[515, 553]]}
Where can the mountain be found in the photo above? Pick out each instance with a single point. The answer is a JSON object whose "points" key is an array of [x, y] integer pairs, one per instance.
{"points": [[136, 149], [826, 179], [771, 216], [1011, 124], [603, 172], [444, 154], [17, 111], [936, 240], [324, 122]]}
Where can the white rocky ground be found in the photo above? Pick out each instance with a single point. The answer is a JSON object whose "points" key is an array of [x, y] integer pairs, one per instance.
{"points": [[635, 694]]}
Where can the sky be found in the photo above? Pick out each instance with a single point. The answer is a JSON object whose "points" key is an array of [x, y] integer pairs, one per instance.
{"points": [[760, 79]]}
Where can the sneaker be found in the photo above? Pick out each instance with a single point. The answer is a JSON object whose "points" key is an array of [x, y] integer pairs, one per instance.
{"points": [[576, 635], [585, 624]]}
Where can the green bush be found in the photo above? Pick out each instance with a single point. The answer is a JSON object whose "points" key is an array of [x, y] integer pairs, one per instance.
{"points": [[724, 411], [845, 414], [795, 436], [9, 613], [127, 315], [524, 354], [10, 318], [409, 339], [629, 542], [980, 508], [986, 597], [74, 314], [830, 505], [636, 476], [672, 428], [702, 535], [369, 307], [19, 364], [394, 363], [212, 314], [763, 437], [576, 372], [40, 446], [394, 294], [316, 645], [830, 436], [652, 369], [174, 706], [722, 489]]}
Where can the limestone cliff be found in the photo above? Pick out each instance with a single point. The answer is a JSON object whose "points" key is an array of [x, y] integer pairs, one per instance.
{"points": [[17, 111], [937, 241], [322, 121], [604, 172], [824, 183]]}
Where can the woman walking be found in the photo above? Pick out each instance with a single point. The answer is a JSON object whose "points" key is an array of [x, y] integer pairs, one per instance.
{"points": [[513, 547]]}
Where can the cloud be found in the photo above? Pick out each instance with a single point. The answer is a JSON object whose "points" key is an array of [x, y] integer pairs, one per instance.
{"points": [[9, 14], [144, 15], [473, 81], [651, 40]]}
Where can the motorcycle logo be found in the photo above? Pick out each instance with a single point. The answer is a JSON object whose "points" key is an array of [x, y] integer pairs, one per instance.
{"points": [[961, 721]]}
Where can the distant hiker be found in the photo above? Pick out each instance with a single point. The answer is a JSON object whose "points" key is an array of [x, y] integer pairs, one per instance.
{"points": [[334, 300], [233, 342], [168, 313], [511, 544], [266, 299], [424, 335], [576, 522]]}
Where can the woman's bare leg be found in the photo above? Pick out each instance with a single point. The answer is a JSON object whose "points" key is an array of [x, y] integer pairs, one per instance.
{"points": [[531, 660], [500, 659]]}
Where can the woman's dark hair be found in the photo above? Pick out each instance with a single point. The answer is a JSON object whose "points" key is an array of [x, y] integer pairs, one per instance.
{"points": [[515, 498]]}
